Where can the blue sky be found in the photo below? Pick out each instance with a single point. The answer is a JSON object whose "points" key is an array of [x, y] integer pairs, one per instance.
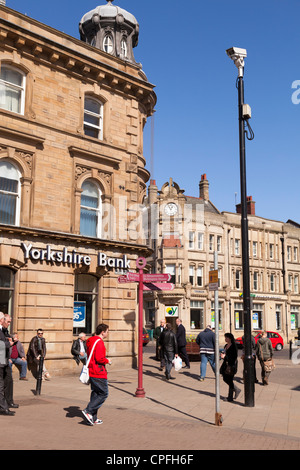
{"points": [[182, 49]]}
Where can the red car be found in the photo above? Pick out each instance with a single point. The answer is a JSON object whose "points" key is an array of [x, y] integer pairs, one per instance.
{"points": [[276, 339], [146, 337]]}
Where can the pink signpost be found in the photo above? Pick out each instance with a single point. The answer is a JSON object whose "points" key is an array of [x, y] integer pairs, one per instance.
{"points": [[146, 282]]}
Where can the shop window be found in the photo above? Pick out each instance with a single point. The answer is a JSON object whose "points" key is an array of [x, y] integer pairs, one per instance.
{"points": [[90, 210], [12, 89], [9, 194], [197, 314], [93, 118], [6, 290], [85, 304], [213, 316]]}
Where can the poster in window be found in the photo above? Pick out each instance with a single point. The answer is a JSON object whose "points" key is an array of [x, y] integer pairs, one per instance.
{"points": [[79, 314]]}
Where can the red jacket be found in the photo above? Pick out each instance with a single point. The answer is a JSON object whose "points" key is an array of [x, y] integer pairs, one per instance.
{"points": [[98, 360]]}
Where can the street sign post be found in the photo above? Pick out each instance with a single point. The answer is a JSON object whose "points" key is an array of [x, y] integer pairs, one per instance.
{"points": [[147, 282]]}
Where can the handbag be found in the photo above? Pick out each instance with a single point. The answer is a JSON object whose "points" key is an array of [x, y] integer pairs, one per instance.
{"points": [[269, 364], [84, 375]]}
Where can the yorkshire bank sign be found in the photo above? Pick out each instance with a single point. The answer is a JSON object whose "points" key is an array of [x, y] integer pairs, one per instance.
{"points": [[72, 257]]}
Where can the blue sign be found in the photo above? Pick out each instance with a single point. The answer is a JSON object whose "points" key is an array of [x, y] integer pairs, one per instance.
{"points": [[79, 314]]}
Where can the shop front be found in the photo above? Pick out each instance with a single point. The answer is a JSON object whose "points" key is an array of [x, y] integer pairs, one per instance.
{"points": [[65, 287]]}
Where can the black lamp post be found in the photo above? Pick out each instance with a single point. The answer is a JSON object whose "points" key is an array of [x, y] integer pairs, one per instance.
{"points": [[238, 55]]}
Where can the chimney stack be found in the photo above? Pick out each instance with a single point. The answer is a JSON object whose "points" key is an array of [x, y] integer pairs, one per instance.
{"points": [[250, 206], [203, 187], [152, 192]]}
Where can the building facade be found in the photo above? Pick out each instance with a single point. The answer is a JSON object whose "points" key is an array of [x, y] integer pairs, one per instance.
{"points": [[186, 232], [72, 174]]}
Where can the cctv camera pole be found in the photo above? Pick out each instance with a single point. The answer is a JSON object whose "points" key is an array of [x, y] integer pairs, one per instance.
{"points": [[248, 358]]}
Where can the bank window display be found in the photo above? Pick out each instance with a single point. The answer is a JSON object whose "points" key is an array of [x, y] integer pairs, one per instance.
{"points": [[9, 194], [85, 304], [12, 89], [90, 210], [197, 314], [295, 319], [239, 315], [257, 317], [213, 315], [93, 118], [6, 290]]}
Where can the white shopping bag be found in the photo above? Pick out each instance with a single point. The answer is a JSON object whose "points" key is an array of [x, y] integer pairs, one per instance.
{"points": [[177, 361]]}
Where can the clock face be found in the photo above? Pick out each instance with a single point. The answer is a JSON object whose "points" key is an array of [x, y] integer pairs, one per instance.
{"points": [[171, 208]]}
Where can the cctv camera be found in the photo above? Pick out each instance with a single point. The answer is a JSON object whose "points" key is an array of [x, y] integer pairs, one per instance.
{"points": [[236, 53]]}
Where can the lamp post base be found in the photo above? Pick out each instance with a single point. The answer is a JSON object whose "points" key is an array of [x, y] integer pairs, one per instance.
{"points": [[140, 393]]}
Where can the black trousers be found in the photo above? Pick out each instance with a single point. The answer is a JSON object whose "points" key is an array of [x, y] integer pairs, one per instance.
{"points": [[183, 354], [3, 402]]}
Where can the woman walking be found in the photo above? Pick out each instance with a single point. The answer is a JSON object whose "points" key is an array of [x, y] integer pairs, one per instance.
{"points": [[229, 367]]}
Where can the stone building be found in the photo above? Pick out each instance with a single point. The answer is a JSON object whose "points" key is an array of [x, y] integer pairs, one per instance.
{"points": [[186, 232], [72, 172]]}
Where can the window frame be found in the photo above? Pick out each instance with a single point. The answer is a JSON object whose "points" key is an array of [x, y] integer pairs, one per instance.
{"points": [[97, 211], [20, 88], [17, 194], [99, 116]]}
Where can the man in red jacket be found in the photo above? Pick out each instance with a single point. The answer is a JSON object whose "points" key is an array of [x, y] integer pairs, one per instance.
{"points": [[97, 374]]}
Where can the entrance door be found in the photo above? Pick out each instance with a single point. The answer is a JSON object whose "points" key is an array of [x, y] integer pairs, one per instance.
{"points": [[172, 322]]}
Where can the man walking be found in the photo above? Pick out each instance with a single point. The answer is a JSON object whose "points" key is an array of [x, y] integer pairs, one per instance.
{"points": [[156, 335], [181, 341], [206, 341], [168, 342], [97, 373]]}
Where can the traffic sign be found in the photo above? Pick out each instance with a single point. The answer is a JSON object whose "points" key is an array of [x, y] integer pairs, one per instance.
{"points": [[131, 277], [158, 286], [213, 280]]}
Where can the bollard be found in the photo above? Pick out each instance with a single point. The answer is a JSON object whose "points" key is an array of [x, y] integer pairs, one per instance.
{"points": [[40, 376], [291, 349]]}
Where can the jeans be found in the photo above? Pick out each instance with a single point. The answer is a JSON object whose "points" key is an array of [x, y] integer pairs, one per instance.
{"points": [[99, 393], [205, 358], [20, 363]]}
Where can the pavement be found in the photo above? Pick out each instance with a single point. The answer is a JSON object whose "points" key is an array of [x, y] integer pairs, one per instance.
{"points": [[178, 415]]}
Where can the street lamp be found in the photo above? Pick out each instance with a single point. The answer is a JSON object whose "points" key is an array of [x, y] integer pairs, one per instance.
{"points": [[238, 55]]}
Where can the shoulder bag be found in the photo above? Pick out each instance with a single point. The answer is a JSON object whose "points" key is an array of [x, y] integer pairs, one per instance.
{"points": [[84, 375]]}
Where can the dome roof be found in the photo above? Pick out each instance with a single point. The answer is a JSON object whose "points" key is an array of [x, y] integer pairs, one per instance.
{"points": [[109, 11]]}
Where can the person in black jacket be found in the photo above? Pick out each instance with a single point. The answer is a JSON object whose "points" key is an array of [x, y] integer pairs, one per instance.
{"points": [[181, 342], [78, 349], [4, 368], [229, 366], [168, 342]]}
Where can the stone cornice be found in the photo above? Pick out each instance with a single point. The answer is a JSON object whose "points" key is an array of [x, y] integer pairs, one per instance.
{"points": [[74, 57], [96, 243]]}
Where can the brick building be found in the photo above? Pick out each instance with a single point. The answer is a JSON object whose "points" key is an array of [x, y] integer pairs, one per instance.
{"points": [[72, 170], [187, 231]]}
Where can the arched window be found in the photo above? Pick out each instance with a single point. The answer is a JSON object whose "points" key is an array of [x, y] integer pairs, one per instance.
{"points": [[108, 44], [12, 89], [90, 210], [93, 118], [123, 49], [9, 194]]}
